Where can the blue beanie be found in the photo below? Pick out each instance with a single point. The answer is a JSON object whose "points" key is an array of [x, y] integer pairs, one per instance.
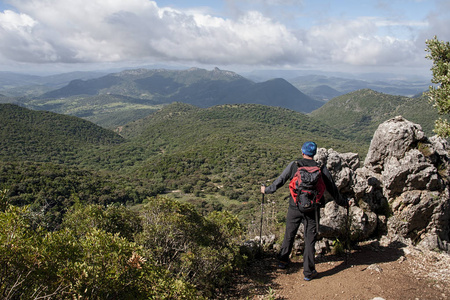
{"points": [[309, 148]]}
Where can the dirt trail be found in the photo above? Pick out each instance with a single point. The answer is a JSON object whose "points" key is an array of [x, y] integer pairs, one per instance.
{"points": [[366, 273]]}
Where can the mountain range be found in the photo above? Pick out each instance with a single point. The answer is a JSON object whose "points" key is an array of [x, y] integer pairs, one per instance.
{"points": [[326, 88], [194, 86], [118, 98], [115, 99], [14, 84]]}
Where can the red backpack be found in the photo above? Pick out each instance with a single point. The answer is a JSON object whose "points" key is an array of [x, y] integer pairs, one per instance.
{"points": [[307, 187]]}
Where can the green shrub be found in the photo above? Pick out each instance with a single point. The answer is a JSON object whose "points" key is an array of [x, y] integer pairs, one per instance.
{"points": [[114, 219], [203, 251], [20, 257], [65, 264]]}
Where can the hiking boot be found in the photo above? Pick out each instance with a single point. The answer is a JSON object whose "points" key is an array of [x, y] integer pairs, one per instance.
{"points": [[312, 276], [283, 265]]}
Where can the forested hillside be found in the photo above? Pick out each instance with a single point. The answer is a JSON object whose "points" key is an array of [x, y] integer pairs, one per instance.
{"points": [[359, 113], [223, 151], [52, 189], [44, 136]]}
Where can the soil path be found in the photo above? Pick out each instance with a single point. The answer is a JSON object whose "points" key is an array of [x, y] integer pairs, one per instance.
{"points": [[367, 272]]}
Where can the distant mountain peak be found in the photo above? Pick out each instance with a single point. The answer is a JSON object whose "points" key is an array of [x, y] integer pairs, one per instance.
{"points": [[216, 73], [133, 72]]}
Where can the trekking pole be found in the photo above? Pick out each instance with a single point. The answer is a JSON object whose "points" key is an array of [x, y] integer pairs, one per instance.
{"points": [[347, 233], [262, 212]]}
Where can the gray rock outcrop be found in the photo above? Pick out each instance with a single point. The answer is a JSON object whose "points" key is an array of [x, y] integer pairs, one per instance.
{"points": [[401, 192], [411, 174]]}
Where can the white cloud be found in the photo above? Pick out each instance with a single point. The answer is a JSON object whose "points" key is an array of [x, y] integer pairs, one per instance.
{"points": [[356, 43], [18, 41], [13, 21], [64, 31], [93, 30]]}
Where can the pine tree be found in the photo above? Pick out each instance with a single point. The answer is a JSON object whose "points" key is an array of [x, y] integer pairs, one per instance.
{"points": [[439, 95]]}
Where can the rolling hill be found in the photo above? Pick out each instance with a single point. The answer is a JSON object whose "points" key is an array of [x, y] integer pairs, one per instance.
{"points": [[45, 136], [224, 149], [359, 113], [228, 146], [178, 147]]}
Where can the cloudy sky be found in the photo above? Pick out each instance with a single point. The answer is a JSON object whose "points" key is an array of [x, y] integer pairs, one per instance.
{"points": [[353, 35]]}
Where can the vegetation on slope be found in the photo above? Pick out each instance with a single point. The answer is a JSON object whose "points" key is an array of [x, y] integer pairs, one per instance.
{"points": [[227, 149], [359, 113], [108, 111], [218, 155], [52, 189], [45, 136], [165, 251]]}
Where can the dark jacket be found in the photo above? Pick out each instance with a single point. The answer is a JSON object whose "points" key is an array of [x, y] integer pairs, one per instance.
{"points": [[289, 172]]}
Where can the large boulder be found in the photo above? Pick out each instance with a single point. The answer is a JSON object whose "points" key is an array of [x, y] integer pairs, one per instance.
{"points": [[401, 191], [411, 172], [333, 222], [405, 177], [393, 138], [414, 212]]}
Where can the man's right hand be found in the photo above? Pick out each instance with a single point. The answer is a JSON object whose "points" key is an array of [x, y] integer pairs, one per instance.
{"points": [[263, 189]]}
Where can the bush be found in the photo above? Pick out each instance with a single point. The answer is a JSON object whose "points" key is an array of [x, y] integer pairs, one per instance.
{"points": [[169, 251], [203, 251], [20, 257], [115, 219], [65, 264]]}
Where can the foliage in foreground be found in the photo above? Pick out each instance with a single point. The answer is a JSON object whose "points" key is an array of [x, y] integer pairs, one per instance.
{"points": [[177, 253], [439, 53]]}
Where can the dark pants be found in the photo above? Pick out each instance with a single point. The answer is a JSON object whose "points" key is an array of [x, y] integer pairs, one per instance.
{"points": [[293, 220]]}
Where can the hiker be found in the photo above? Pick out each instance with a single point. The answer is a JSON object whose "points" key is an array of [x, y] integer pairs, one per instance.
{"points": [[295, 216]]}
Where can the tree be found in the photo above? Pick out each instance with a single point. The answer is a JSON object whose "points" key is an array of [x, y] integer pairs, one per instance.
{"points": [[439, 53]]}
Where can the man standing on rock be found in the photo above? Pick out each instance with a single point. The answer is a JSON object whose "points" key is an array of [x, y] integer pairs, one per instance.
{"points": [[295, 217]]}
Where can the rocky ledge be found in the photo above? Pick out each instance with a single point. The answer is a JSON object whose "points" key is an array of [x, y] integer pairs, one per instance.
{"points": [[401, 191]]}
